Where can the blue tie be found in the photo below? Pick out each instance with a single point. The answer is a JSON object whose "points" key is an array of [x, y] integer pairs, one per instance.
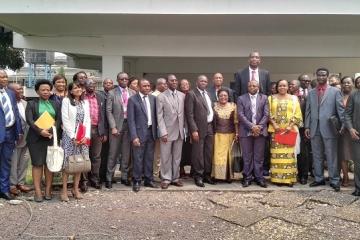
{"points": [[6, 108]]}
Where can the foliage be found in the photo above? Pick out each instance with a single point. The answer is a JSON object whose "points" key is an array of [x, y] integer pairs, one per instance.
{"points": [[10, 57]]}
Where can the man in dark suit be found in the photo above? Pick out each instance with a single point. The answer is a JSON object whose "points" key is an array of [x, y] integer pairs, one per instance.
{"points": [[10, 132], [218, 81], [323, 103], [142, 122], [253, 115], [98, 130], [253, 72], [199, 115]]}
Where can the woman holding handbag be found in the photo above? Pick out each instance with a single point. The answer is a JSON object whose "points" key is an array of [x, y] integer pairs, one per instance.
{"points": [[285, 118], [39, 137], [75, 118]]}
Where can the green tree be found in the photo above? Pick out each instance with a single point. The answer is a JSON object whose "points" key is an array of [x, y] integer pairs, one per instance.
{"points": [[10, 57], [61, 71]]}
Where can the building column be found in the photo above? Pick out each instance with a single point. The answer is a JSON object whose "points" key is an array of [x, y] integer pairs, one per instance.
{"points": [[111, 66]]}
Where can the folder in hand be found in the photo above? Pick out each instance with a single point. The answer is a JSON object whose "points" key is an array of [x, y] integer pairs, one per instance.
{"points": [[45, 121], [80, 133]]}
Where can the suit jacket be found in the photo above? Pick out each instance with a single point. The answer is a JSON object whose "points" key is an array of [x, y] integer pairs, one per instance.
{"points": [[352, 111], [25, 127], [115, 108], [18, 128], [242, 77], [212, 94], [137, 117], [196, 113], [245, 114], [68, 114], [170, 115], [32, 114], [318, 116]]}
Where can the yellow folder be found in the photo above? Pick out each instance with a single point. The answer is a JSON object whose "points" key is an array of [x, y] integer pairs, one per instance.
{"points": [[45, 121]]}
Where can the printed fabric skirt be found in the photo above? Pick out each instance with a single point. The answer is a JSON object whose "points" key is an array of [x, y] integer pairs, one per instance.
{"points": [[222, 163], [283, 163]]}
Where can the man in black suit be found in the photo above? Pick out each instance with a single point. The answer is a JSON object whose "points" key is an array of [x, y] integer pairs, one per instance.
{"points": [[141, 115], [199, 115], [253, 72], [218, 81]]}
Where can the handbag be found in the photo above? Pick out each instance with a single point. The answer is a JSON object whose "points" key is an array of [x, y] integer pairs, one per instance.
{"points": [[77, 163], [286, 138], [236, 157], [54, 155]]}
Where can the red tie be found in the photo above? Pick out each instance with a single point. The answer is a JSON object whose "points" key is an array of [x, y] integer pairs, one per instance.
{"points": [[253, 75]]}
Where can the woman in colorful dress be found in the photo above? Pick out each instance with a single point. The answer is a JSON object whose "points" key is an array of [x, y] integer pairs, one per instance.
{"points": [[285, 115], [225, 122], [75, 111]]}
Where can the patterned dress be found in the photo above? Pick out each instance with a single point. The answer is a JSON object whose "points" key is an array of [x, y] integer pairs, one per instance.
{"points": [[68, 144], [283, 164], [225, 120]]}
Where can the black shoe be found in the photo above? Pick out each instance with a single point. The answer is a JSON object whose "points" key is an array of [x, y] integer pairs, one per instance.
{"points": [[95, 185], [262, 184], [6, 196], [303, 181], [266, 173], [316, 184], [126, 182], [199, 182], [108, 184], [246, 183], [150, 184], [336, 187], [209, 181], [136, 187], [83, 187], [356, 194]]}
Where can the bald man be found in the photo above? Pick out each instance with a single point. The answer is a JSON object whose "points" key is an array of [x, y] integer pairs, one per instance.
{"points": [[218, 81]]}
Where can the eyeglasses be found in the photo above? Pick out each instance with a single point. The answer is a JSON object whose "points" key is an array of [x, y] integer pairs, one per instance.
{"points": [[122, 79]]}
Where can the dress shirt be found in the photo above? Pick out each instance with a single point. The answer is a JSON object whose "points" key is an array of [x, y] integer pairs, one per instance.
{"points": [[256, 74], [94, 108], [124, 102], [146, 102], [320, 89], [21, 110], [3, 93], [210, 115], [253, 107]]}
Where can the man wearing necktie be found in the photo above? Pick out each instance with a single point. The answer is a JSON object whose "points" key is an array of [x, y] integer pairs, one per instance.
{"points": [[252, 72], [199, 115], [324, 102], [170, 116], [141, 113], [119, 142], [10, 132]]}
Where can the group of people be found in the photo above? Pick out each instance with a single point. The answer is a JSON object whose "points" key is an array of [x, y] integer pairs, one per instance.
{"points": [[285, 129]]}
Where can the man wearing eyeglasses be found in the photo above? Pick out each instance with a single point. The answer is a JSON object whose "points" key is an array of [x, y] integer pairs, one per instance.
{"points": [[116, 111]]}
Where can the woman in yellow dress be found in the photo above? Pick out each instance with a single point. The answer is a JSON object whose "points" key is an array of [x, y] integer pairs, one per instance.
{"points": [[225, 122], [285, 115]]}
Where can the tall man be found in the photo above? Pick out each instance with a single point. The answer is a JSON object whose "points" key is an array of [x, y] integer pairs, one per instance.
{"points": [[10, 132], [323, 103], [218, 81], [199, 115], [19, 163], [170, 116], [143, 131], [98, 130], [253, 115], [117, 114], [253, 72], [108, 85]]}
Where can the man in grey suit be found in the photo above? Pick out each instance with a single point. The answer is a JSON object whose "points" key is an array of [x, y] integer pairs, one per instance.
{"points": [[170, 116], [199, 116], [253, 72], [323, 103], [19, 163], [119, 142], [143, 131], [218, 81]]}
